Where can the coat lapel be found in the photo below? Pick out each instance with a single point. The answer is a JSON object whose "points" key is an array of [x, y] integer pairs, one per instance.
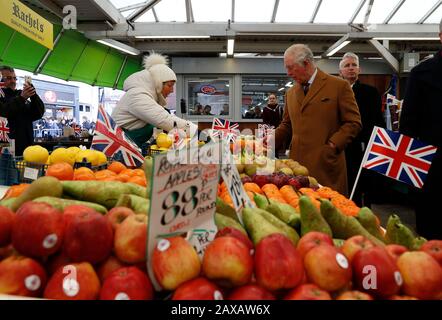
{"points": [[317, 84]]}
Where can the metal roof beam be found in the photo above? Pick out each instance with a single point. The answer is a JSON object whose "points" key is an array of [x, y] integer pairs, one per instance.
{"points": [[232, 18], [336, 46], [275, 11], [189, 11], [219, 29], [52, 7], [106, 7], [368, 12], [133, 6], [393, 12], [355, 14], [391, 60], [315, 12], [430, 12], [138, 13]]}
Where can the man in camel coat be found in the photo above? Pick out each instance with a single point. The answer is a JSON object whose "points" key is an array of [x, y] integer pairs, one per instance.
{"points": [[321, 117]]}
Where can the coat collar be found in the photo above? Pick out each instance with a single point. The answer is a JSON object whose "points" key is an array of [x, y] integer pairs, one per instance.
{"points": [[317, 84]]}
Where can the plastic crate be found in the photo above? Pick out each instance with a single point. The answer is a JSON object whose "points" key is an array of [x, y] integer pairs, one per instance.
{"points": [[29, 171]]}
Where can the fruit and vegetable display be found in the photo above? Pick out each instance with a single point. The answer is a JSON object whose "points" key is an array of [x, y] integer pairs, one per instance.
{"points": [[79, 235]]}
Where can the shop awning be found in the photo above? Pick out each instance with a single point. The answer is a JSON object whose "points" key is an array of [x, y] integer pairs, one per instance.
{"points": [[74, 58]]}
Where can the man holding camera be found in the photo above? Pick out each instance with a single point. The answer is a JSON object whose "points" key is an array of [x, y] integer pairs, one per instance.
{"points": [[20, 111]]}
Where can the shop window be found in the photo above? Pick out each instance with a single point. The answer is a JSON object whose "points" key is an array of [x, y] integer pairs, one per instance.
{"points": [[88, 109], [208, 97], [81, 107], [255, 91]]}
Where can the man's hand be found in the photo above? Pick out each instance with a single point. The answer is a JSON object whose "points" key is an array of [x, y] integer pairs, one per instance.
{"points": [[28, 91]]}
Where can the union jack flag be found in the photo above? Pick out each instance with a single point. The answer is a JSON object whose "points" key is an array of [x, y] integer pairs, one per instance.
{"points": [[4, 130], [398, 156], [224, 129], [110, 139]]}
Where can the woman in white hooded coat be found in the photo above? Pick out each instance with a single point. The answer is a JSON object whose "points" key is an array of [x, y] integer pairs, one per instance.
{"points": [[142, 107]]}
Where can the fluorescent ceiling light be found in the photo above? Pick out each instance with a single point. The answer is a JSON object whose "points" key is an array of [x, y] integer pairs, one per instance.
{"points": [[119, 46], [172, 37], [230, 46], [281, 89], [289, 84], [406, 38], [342, 45]]}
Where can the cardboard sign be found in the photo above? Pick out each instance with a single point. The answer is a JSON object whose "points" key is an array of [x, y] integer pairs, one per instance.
{"points": [[30, 173], [231, 178], [183, 198]]}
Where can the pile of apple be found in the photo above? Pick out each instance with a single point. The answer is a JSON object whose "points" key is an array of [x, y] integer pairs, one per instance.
{"points": [[315, 269], [75, 254]]}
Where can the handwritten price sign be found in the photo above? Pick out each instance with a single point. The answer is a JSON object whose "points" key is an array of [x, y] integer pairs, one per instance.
{"points": [[183, 199]]}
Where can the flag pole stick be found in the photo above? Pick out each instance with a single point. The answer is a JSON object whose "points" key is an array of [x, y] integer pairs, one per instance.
{"points": [[364, 159]]}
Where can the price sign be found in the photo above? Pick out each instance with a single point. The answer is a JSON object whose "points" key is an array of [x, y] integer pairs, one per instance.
{"points": [[231, 178], [30, 173], [183, 198]]}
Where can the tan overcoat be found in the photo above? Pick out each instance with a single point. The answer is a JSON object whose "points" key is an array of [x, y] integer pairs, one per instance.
{"points": [[328, 113]]}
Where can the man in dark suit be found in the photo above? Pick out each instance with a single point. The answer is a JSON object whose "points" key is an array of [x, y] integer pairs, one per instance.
{"points": [[320, 118], [421, 118], [23, 112], [370, 107]]}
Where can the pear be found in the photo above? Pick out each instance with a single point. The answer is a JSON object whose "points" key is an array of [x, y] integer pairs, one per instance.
{"points": [[286, 171], [285, 212], [300, 171], [43, 186], [223, 221], [260, 200], [250, 169], [240, 167], [257, 226]]}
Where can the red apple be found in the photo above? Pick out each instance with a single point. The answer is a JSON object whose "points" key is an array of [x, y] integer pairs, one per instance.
{"points": [[228, 262], [233, 232], [375, 272], [354, 244], [77, 281], [38, 229], [251, 292], [308, 291], [198, 289], [127, 283], [422, 275], [70, 212], [88, 238], [354, 295], [130, 239], [118, 214], [22, 276], [7, 251], [6, 222], [327, 267], [312, 239], [278, 265], [105, 268], [434, 249], [56, 261], [174, 261], [395, 250]]}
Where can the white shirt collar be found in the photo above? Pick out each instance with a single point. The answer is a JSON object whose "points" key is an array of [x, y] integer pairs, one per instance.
{"points": [[313, 77]]}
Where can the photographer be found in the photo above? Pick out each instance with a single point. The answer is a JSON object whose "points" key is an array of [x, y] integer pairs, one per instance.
{"points": [[19, 111]]}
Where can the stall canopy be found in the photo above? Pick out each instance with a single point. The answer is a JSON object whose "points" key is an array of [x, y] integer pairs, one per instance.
{"points": [[74, 58]]}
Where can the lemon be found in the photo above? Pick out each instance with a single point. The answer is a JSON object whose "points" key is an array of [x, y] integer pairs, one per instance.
{"points": [[154, 147], [163, 140], [90, 155], [73, 150], [61, 155], [102, 158], [163, 149], [36, 154]]}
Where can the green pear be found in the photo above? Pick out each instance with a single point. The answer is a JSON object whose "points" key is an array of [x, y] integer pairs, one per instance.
{"points": [[250, 169], [286, 229], [257, 226], [240, 167], [311, 218], [260, 200], [222, 221], [285, 212]]}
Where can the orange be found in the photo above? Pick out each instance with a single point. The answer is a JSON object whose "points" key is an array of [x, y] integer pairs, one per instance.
{"points": [[84, 173], [103, 174], [15, 191], [252, 187], [138, 172], [116, 167], [61, 171], [123, 177], [138, 180], [128, 172]]}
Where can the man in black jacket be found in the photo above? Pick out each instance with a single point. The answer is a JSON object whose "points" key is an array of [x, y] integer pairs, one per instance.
{"points": [[370, 107], [421, 118], [19, 111]]}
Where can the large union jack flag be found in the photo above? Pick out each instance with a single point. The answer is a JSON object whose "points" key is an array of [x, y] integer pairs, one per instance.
{"points": [[110, 139], [224, 129], [398, 156], [4, 130]]}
